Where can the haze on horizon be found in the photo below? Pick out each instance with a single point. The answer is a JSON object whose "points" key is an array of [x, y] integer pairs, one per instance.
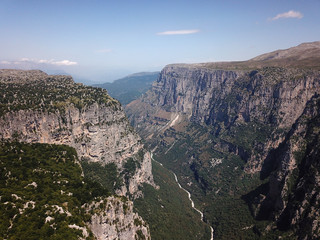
{"points": [[105, 40]]}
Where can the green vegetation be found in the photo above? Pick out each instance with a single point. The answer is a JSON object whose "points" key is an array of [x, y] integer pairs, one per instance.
{"points": [[42, 192], [168, 211], [50, 95], [129, 169], [211, 167], [247, 135], [107, 175], [131, 87], [139, 235], [216, 180]]}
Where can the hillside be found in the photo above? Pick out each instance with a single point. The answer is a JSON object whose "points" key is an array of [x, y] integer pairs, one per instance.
{"points": [[36, 107], [105, 167], [306, 55], [44, 195], [241, 136], [41, 109], [131, 87]]}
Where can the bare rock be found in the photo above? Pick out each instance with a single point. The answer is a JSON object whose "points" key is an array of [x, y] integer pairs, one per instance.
{"points": [[113, 218]]}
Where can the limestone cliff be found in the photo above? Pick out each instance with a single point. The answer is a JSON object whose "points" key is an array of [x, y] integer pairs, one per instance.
{"points": [[54, 109], [293, 198], [273, 97], [113, 218], [39, 108], [254, 109], [45, 195]]}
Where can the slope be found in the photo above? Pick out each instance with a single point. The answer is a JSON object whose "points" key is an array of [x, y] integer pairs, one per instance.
{"points": [[217, 126], [131, 87]]}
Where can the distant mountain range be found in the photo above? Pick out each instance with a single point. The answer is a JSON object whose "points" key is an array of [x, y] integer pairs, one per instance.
{"points": [[131, 87], [241, 139]]}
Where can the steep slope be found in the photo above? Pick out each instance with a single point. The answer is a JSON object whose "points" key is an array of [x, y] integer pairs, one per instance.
{"points": [[217, 125], [306, 55], [39, 108], [293, 197], [36, 107], [229, 101], [44, 195], [168, 211], [131, 87], [305, 51]]}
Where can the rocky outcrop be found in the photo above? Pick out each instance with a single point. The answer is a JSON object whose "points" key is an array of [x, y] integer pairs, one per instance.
{"points": [[99, 131], [45, 195], [38, 108], [113, 218], [264, 110], [293, 198], [272, 97]]}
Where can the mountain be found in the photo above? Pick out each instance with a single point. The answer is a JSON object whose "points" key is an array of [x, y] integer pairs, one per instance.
{"points": [[73, 168], [306, 55], [44, 195], [71, 164], [131, 87], [37, 107], [242, 138], [305, 51]]}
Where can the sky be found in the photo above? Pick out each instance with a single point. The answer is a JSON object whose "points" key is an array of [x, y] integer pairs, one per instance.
{"points": [[100, 41]]}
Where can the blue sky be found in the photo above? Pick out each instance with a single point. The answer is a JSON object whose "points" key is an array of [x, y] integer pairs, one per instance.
{"points": [[104, 40]]}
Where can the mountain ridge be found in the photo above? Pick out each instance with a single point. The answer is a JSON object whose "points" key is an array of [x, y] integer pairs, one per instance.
{"points": [[205, 119], [305, 55], [130, 87], [37, 108]]}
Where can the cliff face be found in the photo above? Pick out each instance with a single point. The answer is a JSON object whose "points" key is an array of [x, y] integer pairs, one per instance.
{"points": [[293, 199], [99, 133], [116, 220], [67, 113], [38, 108], [45, 195], [272, 97], [263, 113], [209, 96]]}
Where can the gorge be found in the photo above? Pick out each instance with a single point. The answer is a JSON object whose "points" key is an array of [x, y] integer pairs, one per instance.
{"points": [[225, 150], [242, 138]]}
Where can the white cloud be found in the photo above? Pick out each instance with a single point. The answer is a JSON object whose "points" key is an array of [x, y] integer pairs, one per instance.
{"points": [[25, 59], [64, 63], [41, 61], [179, 32], [59, 63], [289, 14]]}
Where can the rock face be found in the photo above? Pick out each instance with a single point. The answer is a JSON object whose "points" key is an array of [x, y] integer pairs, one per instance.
{"points": [[44, 195], [273, 97], [264, 113], [111, 140], [293, 198], [36, 107], [115, 219], [100, 132]]}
